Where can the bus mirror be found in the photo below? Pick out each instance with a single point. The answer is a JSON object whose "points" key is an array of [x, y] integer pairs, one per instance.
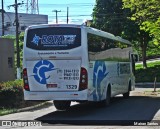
{"points": [[136, 58]]}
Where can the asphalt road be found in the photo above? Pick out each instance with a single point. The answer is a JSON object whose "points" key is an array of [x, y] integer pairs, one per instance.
{"points": [[137, 108]]}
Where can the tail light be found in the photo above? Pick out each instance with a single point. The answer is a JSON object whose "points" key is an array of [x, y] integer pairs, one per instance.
{"points": [[83, 79], [25, 80]]}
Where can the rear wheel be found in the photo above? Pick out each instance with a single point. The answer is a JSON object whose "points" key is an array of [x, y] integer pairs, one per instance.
{"points": [[62, 105], [126, 95], [106, 102]]}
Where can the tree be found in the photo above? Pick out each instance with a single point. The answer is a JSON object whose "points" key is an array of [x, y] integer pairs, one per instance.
{"points": [[146, 14], [108, 15]]}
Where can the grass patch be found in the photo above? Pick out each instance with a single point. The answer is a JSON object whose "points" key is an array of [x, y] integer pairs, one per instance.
{"points": [[149, 64], [158, 91], [12, 97], [11, 94], [149, 74], [4, 111]]}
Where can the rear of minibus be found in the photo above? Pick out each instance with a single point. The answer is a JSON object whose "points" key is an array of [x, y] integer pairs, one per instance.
{"points": [[54, 63]]}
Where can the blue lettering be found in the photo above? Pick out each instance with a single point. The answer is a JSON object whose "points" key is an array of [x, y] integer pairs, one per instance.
{"points": [[50, 39], [58, 39], [44, 38]]}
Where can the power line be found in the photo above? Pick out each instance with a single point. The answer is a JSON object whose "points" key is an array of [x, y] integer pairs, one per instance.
{"points": [[72, 4]]}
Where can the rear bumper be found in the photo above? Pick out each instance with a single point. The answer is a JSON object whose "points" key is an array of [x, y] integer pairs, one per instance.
{"points": [[74, 95]]}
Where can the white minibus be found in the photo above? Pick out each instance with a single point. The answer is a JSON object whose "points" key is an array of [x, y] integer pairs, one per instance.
{"points": [[66, 62]]}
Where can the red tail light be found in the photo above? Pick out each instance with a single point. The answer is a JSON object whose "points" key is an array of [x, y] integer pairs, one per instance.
{"points": [[25, 80], [83, 79]]}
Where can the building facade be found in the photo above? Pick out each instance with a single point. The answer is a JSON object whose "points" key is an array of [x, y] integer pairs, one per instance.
{"points": [[7, 72], [25, 20]]}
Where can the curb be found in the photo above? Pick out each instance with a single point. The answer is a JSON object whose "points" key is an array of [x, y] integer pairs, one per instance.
{"points": [[147, 85], [41, 105]]}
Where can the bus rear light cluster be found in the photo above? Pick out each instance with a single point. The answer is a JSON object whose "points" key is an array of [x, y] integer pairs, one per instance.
{"points": [[83, 79], [25, 80]]}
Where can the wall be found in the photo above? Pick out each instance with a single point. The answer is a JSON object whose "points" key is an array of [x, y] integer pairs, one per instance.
{"points": [[6, 60]]}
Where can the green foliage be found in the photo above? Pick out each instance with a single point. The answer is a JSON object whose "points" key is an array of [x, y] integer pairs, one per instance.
{"points": [[149, 74], [152, 50], [11, 93], [11, 84], [109, 16], [12, 97], [5, 111], [9, 36], [146, 13], [21, 42]]}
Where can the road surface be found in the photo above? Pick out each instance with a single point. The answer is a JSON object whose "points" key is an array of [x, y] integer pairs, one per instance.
{"points": [[137, 108]]}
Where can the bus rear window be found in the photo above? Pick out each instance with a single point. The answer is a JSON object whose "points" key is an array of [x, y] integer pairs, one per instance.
{"points": [[53, 38]]}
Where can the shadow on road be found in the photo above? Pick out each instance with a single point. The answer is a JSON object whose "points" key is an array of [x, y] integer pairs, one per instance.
{"points": [[120, 112]]}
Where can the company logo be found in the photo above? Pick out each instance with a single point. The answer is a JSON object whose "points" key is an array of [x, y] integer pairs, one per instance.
{"points": [[36, 39], [40, 69], [57, 40], [100, 72]]}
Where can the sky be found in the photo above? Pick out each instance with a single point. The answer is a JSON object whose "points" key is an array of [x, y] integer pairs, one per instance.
{"points": [[79, 10]]}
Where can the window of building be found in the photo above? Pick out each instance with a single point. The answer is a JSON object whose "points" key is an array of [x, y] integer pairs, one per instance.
{"points": [[10, 62]]}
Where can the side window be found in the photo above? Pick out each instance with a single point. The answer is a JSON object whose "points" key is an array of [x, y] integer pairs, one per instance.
{"points": [[100, 48]]}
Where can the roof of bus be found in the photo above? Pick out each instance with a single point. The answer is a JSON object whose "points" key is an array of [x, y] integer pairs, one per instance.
{"points": [[54, 25], [88, 29]]}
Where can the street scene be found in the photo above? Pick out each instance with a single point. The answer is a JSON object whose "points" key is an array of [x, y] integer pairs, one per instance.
{"points": [[80, 64], [140, 107]]}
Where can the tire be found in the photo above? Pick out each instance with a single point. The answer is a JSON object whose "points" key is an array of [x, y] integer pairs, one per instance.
{"points": [[62, 105], [106, 102], [126, 95]]}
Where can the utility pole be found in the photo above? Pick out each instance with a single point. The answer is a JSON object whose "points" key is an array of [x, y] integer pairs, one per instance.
{"points": [[56, 11], [17, 37], [67, 14], [2, 18], [17, 41]]}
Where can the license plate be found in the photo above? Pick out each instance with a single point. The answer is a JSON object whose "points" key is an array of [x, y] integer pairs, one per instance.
{"points": [[52, 85]]}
